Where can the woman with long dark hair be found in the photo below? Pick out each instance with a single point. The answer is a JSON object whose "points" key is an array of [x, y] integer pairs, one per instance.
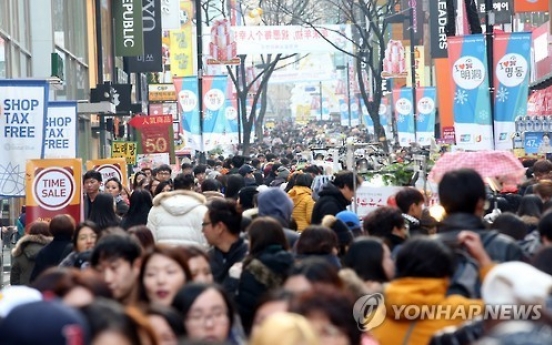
{"points": [[140, 205], [103, 213]]}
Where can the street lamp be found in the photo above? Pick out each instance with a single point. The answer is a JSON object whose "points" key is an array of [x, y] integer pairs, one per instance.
{"points": [[401, 17]]}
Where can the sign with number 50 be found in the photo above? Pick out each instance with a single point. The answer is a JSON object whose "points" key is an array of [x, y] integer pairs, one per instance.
{"points": [[155, 145], [156, 137]]}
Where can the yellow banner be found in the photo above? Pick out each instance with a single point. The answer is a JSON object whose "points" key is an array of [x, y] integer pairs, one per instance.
{"points": [[419, 63], [181, 44], [124, 149], [113, 167], [53, 187], [302, 114]]}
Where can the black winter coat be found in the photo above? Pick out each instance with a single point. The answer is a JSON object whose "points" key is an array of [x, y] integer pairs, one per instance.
{"points": [[267, 271], [222, 262], [51, 255], [500, 248], [331, 202]]}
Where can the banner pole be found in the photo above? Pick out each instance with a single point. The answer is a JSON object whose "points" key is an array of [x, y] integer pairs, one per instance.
{"points": [[489, 25]]}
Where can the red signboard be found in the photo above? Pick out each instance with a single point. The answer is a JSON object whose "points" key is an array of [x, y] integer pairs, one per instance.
{"points": [[155, 132]]}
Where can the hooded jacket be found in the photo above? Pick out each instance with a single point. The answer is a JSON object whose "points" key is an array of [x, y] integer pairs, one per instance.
{"points": [[263, 273], [411, 327], [500, 248], [331, 202], [176, 218], [24, 255], [303, 204]]}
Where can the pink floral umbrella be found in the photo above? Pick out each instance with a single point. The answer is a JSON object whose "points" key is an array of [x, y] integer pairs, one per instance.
{"points": [[501, 165]]}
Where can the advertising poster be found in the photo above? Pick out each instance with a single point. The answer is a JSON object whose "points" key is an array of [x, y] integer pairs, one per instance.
{"points": [[425, 115], [53, 187], [111, 167], [23, 108], [537, 143], [472, 104], [60, 137]]}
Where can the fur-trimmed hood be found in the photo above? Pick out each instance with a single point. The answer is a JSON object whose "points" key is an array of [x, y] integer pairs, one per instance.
{"points": [[179, 202], [24, 245], [212, 194], [529, 220]]}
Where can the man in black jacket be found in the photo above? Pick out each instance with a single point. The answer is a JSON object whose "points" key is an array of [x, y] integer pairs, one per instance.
{"points": [[335, 196], [462, 195]]}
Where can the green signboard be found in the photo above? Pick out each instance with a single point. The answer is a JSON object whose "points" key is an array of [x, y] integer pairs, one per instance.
{"points": [[127, 31]]}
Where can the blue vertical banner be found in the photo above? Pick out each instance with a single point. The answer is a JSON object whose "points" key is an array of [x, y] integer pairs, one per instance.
{"points": [[472, 103], [425, 115], [214, 112], [23, 109], [61, 132], [187, 93], [512, 53], [404, 113], [344, 110]]}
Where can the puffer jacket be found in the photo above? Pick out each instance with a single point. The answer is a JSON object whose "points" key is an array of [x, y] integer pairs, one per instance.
{"points": [[265, 272], [331, 202], [176, 218], [303, 204], [24, 255]]}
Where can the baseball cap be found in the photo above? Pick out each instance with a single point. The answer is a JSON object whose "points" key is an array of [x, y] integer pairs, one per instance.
{"points": [[349, 218], [58, 324], [16, 295], [246, 169]]}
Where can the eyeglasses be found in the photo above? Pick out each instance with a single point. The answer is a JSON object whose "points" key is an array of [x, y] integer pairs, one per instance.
{"points": [[204, 224], [216, 317], [163, 173]]}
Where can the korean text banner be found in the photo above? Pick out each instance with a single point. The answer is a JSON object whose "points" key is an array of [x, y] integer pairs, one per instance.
{"points": [[404, 113], [23, 107], [425, 115], [60, 137], [127, 28], [181, 43], [512, 53], [53, 187], [472, 104], [187, 94]]}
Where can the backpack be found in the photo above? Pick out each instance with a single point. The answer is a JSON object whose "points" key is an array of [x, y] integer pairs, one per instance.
{"points": [[465, 280]]}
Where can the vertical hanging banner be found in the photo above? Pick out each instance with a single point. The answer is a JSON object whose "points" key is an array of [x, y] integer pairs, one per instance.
{"points": [[404, 113], [170, 14], [214, 117], [111, 167], [344, 109], [187, 94], [181, 42], [425, 115], [53, 187], [230, 134], [472, 104], [127, 30], [512, 53], [152, 58], [23, 108], [60, 137]]}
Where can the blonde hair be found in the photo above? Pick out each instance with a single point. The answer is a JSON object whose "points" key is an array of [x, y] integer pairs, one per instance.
{"points": [[285, 329]]}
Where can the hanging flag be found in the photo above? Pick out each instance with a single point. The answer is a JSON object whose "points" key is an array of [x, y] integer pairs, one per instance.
{"points": [[23, 108], [187, 94], [230, 133], [181, 44], [472, 104], [425, 115], [404, 113], [344, 110], [214, 118], [512, 53]]}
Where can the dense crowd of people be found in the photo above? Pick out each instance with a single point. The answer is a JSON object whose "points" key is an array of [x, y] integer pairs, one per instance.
{"points": [[250, 250]]}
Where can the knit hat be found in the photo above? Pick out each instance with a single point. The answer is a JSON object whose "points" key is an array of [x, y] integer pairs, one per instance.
{"points": [[16, 295], [246, 169], [275, 203], [57, 324], [342, 231], [351, 220], [246, 195], [516, 283], [283, 172]]}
